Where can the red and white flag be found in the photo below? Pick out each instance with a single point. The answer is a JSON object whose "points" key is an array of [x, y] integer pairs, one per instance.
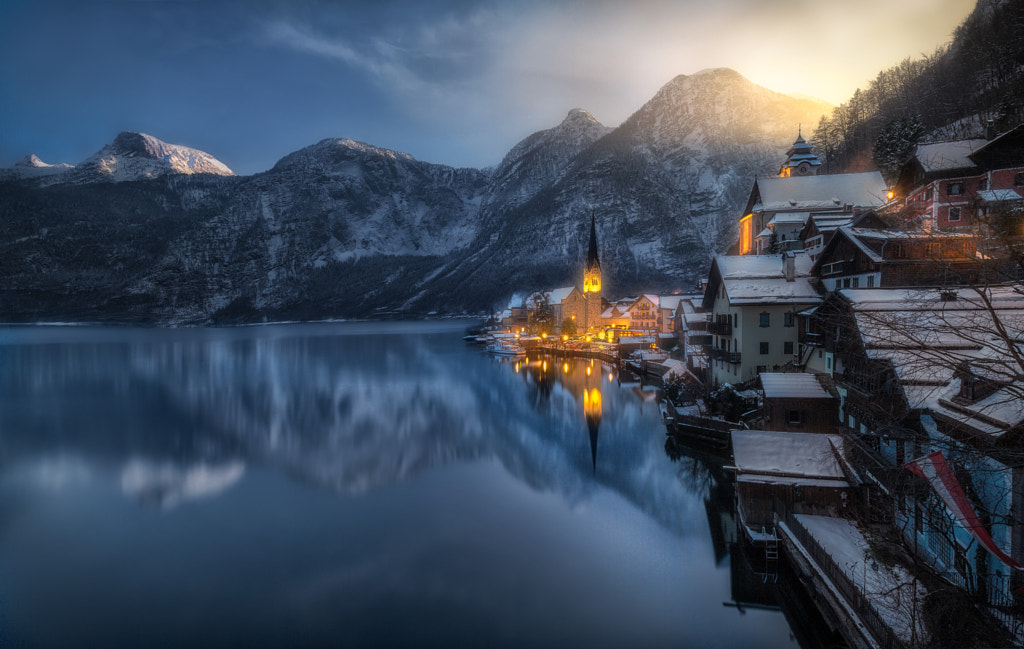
{"points": [[934, 468]]}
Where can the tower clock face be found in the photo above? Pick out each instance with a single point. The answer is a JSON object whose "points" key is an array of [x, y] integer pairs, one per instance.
{"points": [[803, 168]]}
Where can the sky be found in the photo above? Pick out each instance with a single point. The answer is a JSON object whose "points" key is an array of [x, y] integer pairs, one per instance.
{"points": [[455, 82]]}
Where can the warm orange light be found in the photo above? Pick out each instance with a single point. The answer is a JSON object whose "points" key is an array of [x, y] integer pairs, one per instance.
{"points": [[891, 194], [588, 370], [746, 233], [565, 337], [589, 339], [565, 368], [544, 366], [544, 335], [610, 377]]}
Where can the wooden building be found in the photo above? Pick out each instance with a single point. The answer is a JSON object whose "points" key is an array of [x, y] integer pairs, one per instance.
{"points": [[804, 472], [798, 402]]}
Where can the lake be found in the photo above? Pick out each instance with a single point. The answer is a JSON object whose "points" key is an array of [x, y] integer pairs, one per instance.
{"points": [[349, 484]]}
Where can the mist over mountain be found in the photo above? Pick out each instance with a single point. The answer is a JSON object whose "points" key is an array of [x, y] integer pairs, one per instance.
{"points": [[152, 232]]}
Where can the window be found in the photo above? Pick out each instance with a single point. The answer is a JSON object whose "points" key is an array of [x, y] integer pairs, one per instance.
{"points": [[764, 349], [735, 320], [846, 283], [928, 194], [856, 282], [954, 214], [787, 320], [983, 184], [765, 319], [794, 417], [1018, 178], [955, 189], [787, 347], [871, 281]]}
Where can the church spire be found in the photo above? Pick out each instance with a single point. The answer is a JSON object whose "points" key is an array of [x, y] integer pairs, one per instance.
{"points": [[592, 259]]}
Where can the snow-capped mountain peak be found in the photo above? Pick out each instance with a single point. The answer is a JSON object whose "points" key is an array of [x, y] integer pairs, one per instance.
{"points": [[136, 156]]}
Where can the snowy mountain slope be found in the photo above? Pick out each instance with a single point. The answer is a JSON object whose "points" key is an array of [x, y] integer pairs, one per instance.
{"points": [[343, 228], [137, 156], [665, 187]]}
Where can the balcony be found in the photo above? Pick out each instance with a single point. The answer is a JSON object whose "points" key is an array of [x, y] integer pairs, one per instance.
{"points": [[720, 328], [718, 354]]}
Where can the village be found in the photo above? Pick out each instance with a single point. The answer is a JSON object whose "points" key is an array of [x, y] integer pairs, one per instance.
{"points": [[858, 359]]}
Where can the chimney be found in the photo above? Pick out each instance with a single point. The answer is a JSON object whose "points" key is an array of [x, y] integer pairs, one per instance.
{"points": [[990, 129], [788, 267]]}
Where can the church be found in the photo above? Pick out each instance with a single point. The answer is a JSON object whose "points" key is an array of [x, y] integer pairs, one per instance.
{"points": [[582, 307]]}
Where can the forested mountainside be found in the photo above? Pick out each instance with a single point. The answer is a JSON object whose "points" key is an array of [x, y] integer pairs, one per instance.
{"points": [[976, 79], [146, 231]]}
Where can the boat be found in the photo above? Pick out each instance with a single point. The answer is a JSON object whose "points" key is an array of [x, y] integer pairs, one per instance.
{"points": [[506, 348]]}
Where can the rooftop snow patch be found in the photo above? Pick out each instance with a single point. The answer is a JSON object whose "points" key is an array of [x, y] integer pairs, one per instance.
{"points": [[946, 156], [801, 455], [866, 189], [798, 385]]}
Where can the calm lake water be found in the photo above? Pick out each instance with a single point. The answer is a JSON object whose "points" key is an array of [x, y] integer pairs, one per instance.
{"points": [[345, 485]]}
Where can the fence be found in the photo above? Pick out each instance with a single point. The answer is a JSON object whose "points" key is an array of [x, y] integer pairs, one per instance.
{"points": [[858, 601]]}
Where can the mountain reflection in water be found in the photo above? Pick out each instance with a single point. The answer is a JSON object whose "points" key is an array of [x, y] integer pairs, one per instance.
{"points": [[356, 484]]}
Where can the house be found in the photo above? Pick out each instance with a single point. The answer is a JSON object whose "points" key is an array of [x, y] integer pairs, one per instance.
{"points": [[645, 314], [921, 372], [778, 207], [821, 227], [948, 184], [753, 301], [866, 258], [805, 473], [798, 402]]}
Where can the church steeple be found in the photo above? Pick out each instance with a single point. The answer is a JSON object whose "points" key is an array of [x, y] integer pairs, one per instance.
{"points": [[800, 159], [592, 259], [592, 281]]}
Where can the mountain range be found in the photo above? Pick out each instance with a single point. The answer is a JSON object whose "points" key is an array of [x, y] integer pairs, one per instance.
{"points": [[145, 231]]}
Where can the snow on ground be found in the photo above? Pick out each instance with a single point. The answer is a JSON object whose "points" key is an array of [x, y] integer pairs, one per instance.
{"points": [[889, 589]]}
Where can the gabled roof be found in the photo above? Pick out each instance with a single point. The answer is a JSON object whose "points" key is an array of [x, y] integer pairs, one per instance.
{"points": [[760, 279], [556, 296], [866, 189]]}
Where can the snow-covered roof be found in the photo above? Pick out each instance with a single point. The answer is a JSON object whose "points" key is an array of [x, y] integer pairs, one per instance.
{"points": [[792, 385], [946, 156], [556, 296], [671, 301], [789, 217], [866, 189], [998, 195], [770, 291], [806, 455], [767, 266]]}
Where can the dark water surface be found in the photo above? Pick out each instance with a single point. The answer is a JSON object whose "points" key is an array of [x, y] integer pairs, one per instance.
{"points": [[344, 485]]}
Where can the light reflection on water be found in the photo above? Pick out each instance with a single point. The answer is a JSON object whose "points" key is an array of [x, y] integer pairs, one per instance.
{"points": [[331, 484]]}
